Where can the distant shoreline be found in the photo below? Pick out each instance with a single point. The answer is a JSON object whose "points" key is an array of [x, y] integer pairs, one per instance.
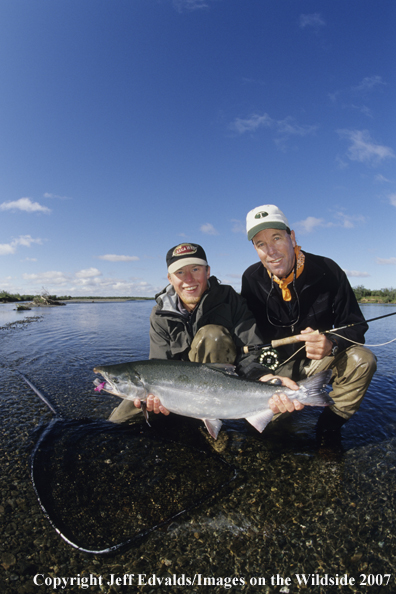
{"points": [[75, 300], [375, 302], [105, 299]]}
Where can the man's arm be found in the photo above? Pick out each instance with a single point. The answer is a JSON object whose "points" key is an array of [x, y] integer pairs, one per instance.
{"points": [[159, 340], [246, 333]]}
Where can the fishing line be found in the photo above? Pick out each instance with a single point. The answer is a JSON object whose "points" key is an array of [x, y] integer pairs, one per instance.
{"points": [[363, 343], [274, 366], [293, 339]]}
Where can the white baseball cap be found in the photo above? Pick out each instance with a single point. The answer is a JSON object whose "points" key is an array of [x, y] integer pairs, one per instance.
{"points": [[267, 216]]}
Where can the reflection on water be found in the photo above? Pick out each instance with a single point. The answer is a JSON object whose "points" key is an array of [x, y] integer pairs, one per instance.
{"points": [[10, 315], [291, 510]]}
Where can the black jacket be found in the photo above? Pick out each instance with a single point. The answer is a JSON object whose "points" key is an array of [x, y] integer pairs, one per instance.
{"points": [[171, 333], [322, 298]]}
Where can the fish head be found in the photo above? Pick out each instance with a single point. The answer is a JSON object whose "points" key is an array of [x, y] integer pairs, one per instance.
{"points": [[120, 380]]}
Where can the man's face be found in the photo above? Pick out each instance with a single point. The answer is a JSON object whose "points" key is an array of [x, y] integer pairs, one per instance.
{"points": [[190, 283], [275, 249]]}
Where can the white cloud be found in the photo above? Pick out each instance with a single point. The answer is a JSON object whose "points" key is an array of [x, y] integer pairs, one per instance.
{"points": [[308, 225], [208, 229], [24, 204], [356, 274], [392, 199], [251, 124], [349, 221], [48, 195], [115, 258], [238, 226], [58, 279], [363, 109], [382, 179], [334, 96], [88, 273], [387, 261], [364, 89], [27, 240], [24, 240], [83, 283], [368, 83], [363, 149], [52, 277], [311, 20], [7, 248], [288, 127], [190, 5], [283, 129]]}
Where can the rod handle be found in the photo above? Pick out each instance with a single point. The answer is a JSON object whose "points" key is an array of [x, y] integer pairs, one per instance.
{"points": [[290, 339], [257, 347]]}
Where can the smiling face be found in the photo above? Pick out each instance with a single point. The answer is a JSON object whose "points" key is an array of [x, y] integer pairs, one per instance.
{"points": [[190, 283], [275, 248]]}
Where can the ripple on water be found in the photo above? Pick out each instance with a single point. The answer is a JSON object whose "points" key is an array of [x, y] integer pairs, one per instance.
{"points": [[292, 509]]}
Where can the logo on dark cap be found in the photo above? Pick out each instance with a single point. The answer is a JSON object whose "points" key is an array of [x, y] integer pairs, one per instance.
{"points": [[261, 215], [184, 249]]}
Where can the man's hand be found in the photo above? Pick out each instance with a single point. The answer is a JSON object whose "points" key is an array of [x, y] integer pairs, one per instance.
{"points": [[279, 402], [153, 404], [317, 345]]}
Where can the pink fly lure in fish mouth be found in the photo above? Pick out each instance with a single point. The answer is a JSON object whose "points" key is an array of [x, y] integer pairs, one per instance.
{"points": [[100, 387]]}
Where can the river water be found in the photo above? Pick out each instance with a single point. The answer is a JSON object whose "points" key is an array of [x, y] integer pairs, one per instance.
{"points": [[272, 513]]}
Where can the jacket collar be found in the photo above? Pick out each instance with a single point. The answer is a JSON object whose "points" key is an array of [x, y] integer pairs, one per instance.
{"points": [[312, 273], [167, 299]]}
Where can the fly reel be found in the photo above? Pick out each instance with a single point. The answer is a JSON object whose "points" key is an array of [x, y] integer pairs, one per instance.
{"points": [[269, 358]]}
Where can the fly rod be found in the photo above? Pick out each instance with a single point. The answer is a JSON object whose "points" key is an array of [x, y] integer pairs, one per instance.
{"points": [[294, 339]]}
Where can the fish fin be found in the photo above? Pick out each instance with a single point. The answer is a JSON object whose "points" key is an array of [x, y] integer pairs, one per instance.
{"points": [[144, 411], [213, 426], [261, 419], [223, 367], [315, 386]]}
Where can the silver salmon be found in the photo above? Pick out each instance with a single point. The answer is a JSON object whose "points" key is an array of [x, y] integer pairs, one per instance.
{"points": [[205, 391]]}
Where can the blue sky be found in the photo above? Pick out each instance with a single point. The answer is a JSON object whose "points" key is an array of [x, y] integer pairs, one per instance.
{"points": [[129, 126]]}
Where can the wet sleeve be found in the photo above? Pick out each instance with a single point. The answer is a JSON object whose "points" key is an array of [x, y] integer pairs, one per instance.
{"points": [[159, 340]]}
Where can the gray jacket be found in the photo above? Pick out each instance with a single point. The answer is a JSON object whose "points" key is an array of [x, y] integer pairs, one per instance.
{"points": [[171, 333]]}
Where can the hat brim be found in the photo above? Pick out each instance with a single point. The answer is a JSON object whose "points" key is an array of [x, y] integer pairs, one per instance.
{"points": [[181, 262], [269, 225]]}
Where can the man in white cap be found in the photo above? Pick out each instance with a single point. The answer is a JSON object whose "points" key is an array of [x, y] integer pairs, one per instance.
{"points": [[291, 292], [197, 319]]}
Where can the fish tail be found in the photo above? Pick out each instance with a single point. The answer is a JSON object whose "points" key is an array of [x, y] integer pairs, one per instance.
{"points": [[315, 390]]}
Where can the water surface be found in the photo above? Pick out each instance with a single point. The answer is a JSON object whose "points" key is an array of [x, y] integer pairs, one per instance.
{"points": [[292, 509]]}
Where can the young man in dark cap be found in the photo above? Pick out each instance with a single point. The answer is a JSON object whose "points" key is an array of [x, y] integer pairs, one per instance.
{"points": [[291, 292], [198, 319]]}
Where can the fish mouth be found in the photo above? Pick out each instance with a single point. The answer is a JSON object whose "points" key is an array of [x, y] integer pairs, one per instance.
{"points": [[104, 383]]}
